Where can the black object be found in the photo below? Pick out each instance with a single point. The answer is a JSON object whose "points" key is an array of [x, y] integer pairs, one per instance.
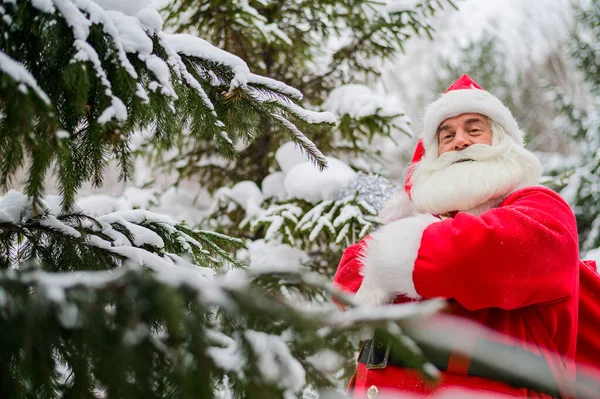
{"points": [[377, 354]]}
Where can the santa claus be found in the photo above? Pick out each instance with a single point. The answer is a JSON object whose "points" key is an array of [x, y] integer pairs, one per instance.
{"points": [[472, 226]]}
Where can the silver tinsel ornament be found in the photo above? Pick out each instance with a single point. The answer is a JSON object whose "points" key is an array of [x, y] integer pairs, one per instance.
{"points": [[373, 189]]}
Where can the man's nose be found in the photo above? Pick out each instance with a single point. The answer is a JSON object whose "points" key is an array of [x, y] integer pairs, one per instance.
{"points": [[461, 141]]}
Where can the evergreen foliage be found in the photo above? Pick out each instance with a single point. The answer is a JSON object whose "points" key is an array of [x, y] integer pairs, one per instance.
{"points": [[329, 43], [484, 60], [76, 80], [523, 89], [132, 334], [70, 241], [333, 46], [130, 303], [580, 185], [324, 229]]}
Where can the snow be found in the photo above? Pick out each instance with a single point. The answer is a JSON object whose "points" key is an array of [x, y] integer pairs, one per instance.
{"points": [[134, 335], [129, 7], [227, 355], [144, 11], [43, 5], [14, 207], [393, 6], [304, 114], [393, 312], [193, 46], [69, 317], [326, 361], [19, 74], [133, 37], [272, 186], [99, 204], [139, 197], [137, 216], [176, 203], [358, 101], [269, 256], [150, 18], [594, 254], [53, 223], [303, 181], [116, 110], [246, 194], [181, 205], [275, 84], [289, 155], [62, 134], [275, 362], [141, 235]]}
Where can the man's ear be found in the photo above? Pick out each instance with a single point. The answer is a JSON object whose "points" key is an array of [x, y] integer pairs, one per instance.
{"points": [[398, 207]]}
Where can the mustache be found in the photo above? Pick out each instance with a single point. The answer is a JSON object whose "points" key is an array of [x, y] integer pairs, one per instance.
{"points": [[473, 153]]}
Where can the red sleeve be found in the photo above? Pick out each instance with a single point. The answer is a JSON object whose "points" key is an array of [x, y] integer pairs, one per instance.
{"points": [[347, 277], [521, 253]]}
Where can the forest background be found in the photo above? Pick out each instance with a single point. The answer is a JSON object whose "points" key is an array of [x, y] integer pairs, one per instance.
{"points": [[215, 164]]}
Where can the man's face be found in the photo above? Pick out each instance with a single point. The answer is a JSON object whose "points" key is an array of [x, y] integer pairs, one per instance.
{"points": [[459, 132]]}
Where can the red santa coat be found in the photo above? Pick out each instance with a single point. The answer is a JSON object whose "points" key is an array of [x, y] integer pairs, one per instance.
{"points": [[496, 269]]}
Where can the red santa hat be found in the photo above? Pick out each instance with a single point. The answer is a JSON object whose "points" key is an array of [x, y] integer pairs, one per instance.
{"points": [[463, 96], [466, 96]]}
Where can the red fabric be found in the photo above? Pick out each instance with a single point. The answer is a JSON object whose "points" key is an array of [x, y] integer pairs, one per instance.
{"points": [[588, 337], [419, 153], [463, 83], [588, 340], [494, 269]]}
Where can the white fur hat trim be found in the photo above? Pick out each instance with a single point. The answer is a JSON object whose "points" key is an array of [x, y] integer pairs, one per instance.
{"points": [[462, 101]]}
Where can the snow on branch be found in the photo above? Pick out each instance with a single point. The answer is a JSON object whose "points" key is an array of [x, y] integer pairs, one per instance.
{"points": [[21, 75], [120, 72], [343, 221], [74, 240], [67, 298]]}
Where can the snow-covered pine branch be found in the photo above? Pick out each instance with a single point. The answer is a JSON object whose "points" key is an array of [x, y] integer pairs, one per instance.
{"points": [[342, 222], [79, 76], [579, 183], [63, 241], [210, 335], [346, 43]]}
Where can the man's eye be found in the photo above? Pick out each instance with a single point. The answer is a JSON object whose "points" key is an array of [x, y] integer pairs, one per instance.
{"points": [[474, 130]]}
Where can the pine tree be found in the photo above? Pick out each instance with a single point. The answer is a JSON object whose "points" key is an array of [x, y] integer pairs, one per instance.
{"points": [[76, 83], [334, 47], [329, 43], [130, 303], [580, 185], [523, 89]]}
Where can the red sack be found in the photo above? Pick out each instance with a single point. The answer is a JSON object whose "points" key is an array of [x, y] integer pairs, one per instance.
{"points": [[588, 337]]}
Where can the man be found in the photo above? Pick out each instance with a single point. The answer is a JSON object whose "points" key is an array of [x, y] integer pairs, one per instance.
{"points": [[473, 226]]}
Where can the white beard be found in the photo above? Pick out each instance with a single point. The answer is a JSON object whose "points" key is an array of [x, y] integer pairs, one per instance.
{"points": [[440, 185]]}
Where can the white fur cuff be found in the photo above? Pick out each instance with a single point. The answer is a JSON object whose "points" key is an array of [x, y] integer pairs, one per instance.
{"points": [[388, 260]]}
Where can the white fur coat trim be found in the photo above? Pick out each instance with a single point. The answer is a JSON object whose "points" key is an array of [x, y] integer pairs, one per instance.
{"points": [[397, 207], [388, 260], [458, 102]]}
